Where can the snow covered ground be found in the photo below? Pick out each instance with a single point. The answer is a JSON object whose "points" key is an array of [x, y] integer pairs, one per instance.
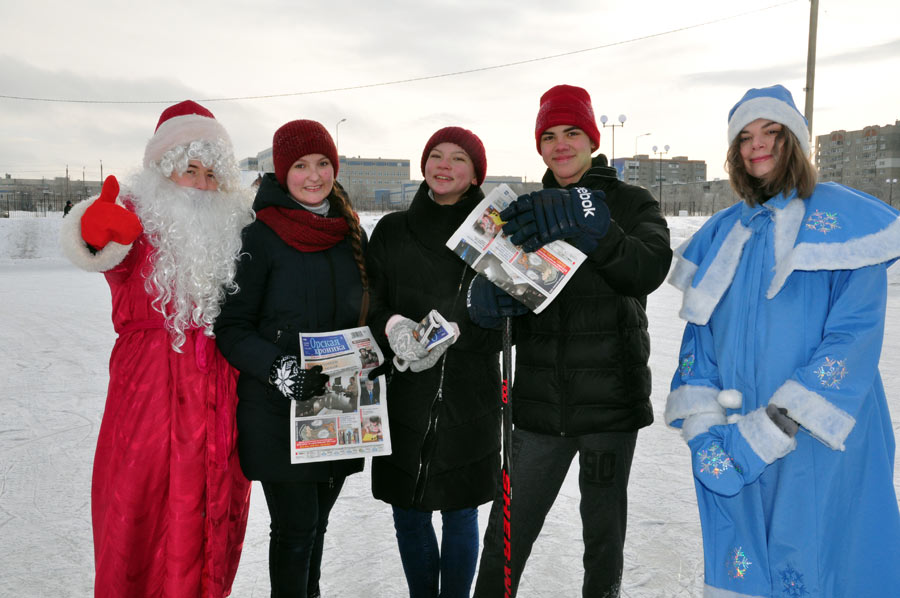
{"points": [[55, 338]]}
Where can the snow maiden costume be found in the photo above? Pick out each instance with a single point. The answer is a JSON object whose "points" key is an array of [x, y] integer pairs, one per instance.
{"points": [[169, 501], [785, 304]]}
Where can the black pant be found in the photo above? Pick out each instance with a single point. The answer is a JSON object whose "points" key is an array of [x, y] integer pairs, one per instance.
{"points": [[539, 466], [299, 513]]}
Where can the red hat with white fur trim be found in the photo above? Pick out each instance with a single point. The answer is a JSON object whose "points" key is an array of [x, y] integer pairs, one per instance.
{"points": [[181, 124]]}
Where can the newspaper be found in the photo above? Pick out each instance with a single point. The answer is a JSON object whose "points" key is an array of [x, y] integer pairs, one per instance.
{"points": [[350, 419], [535, 279]]}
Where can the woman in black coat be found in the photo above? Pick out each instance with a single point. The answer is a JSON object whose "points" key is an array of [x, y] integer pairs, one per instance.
{"points": [[301, 270], [444, 412]]}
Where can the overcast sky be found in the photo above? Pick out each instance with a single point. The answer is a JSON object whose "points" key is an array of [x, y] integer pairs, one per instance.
{"points": [[673, 68]]}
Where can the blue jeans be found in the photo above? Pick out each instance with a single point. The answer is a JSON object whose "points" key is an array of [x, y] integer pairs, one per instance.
{"points": [[539, 466], [427, 569], [299, 513]]}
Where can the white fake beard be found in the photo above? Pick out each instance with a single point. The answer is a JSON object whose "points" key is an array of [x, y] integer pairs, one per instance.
{"points": [[197, 239]]}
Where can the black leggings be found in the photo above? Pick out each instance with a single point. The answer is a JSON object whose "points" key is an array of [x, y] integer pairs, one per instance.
{"points": [[299, 513]]}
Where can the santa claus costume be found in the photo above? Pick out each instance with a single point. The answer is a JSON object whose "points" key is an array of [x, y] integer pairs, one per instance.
{"points": [[169, 500]]}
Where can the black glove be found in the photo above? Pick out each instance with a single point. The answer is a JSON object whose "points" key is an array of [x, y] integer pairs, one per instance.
{"points": [[578, 215], [488, 304], [780, 418], [384, 368], [295, 383]]}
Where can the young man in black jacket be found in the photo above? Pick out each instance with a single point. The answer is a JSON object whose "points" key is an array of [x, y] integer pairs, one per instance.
{"points": [[582, 381]]}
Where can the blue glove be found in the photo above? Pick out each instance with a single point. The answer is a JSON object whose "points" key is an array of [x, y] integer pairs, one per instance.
{"points": [[488, 304], [578, 215], [726, 458]]}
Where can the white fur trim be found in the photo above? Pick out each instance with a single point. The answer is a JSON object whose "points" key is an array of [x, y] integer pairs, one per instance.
{"points": [[711, 592], [872, 249], [181, 130], [772, 109], [700, 423], [691, 399], [734, 418], [730, 398], [764, 437], [700, 301], [683, 272], [74, 247], [821, 418]]}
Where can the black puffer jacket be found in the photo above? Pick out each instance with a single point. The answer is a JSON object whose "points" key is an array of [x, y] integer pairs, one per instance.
{"points": [[454, 465], [581, 365], [283, 291]]}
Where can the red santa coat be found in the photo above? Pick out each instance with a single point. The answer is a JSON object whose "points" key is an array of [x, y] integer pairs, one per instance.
{"points": [[169, 501]]}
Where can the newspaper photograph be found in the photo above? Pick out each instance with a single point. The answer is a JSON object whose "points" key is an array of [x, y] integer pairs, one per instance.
{"points": [[349, 419], [534, 279]]}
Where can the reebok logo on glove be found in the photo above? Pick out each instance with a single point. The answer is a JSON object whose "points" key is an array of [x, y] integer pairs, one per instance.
{"points": [[586, 201]]}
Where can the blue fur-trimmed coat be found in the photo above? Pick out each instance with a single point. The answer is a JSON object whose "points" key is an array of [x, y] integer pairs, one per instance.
{"points": [[785, 304]]}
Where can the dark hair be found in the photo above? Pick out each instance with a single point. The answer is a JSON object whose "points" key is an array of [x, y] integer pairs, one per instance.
{"points": [[793, 170], [346, 209]]}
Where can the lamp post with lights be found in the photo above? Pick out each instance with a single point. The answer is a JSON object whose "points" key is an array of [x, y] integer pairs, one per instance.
{"points": [[604, 120]]}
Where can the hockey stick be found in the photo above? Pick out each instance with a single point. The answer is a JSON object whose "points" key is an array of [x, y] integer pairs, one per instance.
{"points": [[505, 449]]}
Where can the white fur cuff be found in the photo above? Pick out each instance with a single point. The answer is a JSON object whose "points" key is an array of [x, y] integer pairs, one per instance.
{"points": [[764, 437], [700, 423], [730, 398], [814, 412], [74, 247], [689, 400]]}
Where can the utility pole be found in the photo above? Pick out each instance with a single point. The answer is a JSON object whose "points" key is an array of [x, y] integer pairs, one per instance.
{"points": [[811, 64]]}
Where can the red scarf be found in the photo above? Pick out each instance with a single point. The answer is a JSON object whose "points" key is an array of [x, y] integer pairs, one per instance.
{"points": [[303, 230]]}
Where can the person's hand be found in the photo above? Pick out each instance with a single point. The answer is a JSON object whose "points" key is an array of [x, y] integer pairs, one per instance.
{"points": [[402, 340], [488, 304], [295, 383], [383, 370], [578, 215], [105, 220], [419, 365], [779, 416], [727, 457]]}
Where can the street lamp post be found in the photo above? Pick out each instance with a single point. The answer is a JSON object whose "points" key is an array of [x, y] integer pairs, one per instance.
{"points": [[659, 154], [337, 137], [636, 139], [891, 192], [603, 120]]}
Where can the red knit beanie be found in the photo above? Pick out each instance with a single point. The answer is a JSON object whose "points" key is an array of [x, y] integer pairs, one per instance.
{"points": [[465, 139], [566, 105], [300, 138]]}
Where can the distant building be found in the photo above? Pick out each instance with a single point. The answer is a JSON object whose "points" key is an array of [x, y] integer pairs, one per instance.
{"points": [[867, 159], [42, 195], [648, 172], [362, 177], [249, 164]]}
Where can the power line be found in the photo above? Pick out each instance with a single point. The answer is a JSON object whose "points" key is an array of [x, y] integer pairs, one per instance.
{"points": [[413, 79]]}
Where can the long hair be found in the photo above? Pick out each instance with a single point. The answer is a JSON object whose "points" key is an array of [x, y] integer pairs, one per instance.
{"points": [[346, 209], [793, 170]]}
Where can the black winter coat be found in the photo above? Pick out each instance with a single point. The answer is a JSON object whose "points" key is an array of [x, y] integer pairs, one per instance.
{"points": [[581, 364], [446, 445], [283, 291]]}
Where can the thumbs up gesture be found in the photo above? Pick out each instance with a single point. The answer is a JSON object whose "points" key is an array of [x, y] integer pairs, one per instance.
{"points": [[106, 221]]}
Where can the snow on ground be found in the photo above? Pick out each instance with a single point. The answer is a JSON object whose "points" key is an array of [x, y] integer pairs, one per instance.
{"points": [[56, 336]]}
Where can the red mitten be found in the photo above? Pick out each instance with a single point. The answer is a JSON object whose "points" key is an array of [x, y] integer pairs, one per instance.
{"points": [[106, 221]]}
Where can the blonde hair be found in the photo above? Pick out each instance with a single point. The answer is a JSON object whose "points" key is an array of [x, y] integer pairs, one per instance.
{"points": [[793, 170]]}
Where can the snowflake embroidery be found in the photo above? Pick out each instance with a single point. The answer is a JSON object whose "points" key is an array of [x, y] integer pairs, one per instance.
{"points": [[737, 563], [687, 365], [713, 460], [792, 583], [822, 222], [831, 373]]}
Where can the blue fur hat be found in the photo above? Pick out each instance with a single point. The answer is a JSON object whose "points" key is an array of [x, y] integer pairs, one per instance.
{"points": [[774, 103]]}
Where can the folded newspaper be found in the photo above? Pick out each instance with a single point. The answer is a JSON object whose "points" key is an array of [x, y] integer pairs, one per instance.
{"points": [[350, 419], [535, 279], [432, 331]]}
